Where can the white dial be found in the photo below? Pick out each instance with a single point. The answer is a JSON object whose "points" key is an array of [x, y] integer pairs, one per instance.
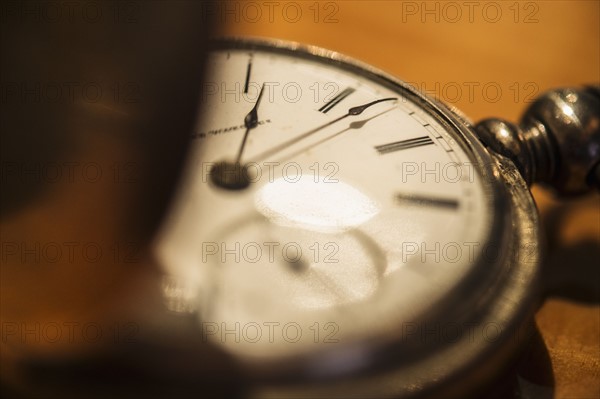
{"points": [[339, 226]]}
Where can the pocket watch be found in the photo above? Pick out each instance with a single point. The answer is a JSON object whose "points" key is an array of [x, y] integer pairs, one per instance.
{"points": [[340, 234]]}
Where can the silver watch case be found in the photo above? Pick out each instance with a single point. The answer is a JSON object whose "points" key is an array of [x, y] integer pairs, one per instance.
{"points": [[502, 292]]}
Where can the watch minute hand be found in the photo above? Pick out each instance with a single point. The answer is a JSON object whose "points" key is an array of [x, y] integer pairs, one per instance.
{"points": [[351, 112], [359, 110]]}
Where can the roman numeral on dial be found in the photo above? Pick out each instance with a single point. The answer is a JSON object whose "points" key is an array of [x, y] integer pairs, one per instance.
{"points": [[336, 100], [248, 73], [447, 203], [404, 144]]}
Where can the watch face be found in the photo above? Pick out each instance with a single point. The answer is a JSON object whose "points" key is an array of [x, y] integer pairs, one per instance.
{"points": [[322, 205]]}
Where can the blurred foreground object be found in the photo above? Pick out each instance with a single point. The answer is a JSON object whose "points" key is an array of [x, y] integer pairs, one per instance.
{"points": [[98, 100]]}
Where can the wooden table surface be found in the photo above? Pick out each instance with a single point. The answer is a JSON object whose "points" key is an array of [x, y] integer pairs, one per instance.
{"points": [[508, 52]]}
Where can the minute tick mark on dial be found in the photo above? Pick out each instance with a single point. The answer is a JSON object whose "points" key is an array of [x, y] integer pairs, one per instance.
{"points": [[404, 144], [336, 100], [447, 203]]}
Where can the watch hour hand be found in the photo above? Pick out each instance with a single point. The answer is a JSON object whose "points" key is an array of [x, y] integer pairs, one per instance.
{"points": [[232, 175], [250, 122]]}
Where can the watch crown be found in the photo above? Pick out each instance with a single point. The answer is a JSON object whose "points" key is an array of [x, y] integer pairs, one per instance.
{"points": [[557, 141]]}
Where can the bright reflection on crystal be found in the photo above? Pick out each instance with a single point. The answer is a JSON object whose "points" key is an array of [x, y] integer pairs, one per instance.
{"points": [[314, 205]]}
